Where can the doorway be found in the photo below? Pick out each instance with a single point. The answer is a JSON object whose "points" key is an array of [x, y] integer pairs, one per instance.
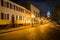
{"points": [[12, 18]]}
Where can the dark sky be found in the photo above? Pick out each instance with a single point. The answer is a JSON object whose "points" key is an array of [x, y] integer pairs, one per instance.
{"points": [[41, 4]]}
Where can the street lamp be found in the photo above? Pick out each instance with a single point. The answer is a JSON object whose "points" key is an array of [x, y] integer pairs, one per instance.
{"points": [[32, 19]]}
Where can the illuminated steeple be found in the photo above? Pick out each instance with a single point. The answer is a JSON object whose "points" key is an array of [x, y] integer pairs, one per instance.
{"points": [[48, 14]]}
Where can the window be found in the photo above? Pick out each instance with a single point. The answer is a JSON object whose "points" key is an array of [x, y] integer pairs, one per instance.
{"points": [[14, 7], [34, 11], [16, 17], [2, 2], [20, 17], [19, 9], [4, 16], [10, 5], [22, 10], [8, 16], [1, 15], [7, 5]]}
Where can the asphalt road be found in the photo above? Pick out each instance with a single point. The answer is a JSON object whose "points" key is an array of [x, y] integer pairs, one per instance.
{"points": [[45, 32]]}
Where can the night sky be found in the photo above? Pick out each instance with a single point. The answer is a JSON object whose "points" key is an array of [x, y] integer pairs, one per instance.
{"points": [[41, 4]]}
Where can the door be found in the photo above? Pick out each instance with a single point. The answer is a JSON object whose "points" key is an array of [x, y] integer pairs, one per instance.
{"points": [[12, 18]]}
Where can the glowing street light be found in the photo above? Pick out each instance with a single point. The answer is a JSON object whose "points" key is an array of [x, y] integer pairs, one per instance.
{"points": [[32, 19], [33, 16]]}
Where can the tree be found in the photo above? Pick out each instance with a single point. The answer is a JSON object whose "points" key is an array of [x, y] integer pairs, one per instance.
{"points": [[55, 16]]}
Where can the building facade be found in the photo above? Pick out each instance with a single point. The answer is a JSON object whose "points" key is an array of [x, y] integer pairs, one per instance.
{"points": [[34, 11], [12, 13]]}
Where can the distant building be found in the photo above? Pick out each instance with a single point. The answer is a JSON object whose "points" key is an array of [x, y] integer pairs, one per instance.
{"points": [[32, 8]]}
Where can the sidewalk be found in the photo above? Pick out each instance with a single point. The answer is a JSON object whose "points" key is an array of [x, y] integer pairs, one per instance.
{"points": [[25, 27], [13, 29]]}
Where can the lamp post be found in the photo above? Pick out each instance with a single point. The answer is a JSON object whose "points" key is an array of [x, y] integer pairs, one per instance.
{"points": [[32, 19]]}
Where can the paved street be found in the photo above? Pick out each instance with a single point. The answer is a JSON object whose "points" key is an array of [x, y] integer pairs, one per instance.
{"points": [[45, 32]]}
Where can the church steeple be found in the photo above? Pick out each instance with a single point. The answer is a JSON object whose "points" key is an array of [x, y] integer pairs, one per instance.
{"points": [[48, 13]]}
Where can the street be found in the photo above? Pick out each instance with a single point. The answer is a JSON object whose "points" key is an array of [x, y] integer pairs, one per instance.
{"points": [[47, 31]]}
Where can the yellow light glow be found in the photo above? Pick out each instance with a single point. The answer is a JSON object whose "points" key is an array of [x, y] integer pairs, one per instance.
{"points": [[33, 16]]}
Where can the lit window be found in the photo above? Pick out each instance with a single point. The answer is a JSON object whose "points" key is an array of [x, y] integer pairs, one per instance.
{"points": [[22, 18]]}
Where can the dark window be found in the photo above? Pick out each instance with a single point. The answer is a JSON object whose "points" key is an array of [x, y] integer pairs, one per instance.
{"points": [[1, 15], [19, 9], [8, 16], [16, 17], [22, 10], [4, 16], [10, 5], [34, 11], [7, 5], [1, 2], [14, 7]]}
